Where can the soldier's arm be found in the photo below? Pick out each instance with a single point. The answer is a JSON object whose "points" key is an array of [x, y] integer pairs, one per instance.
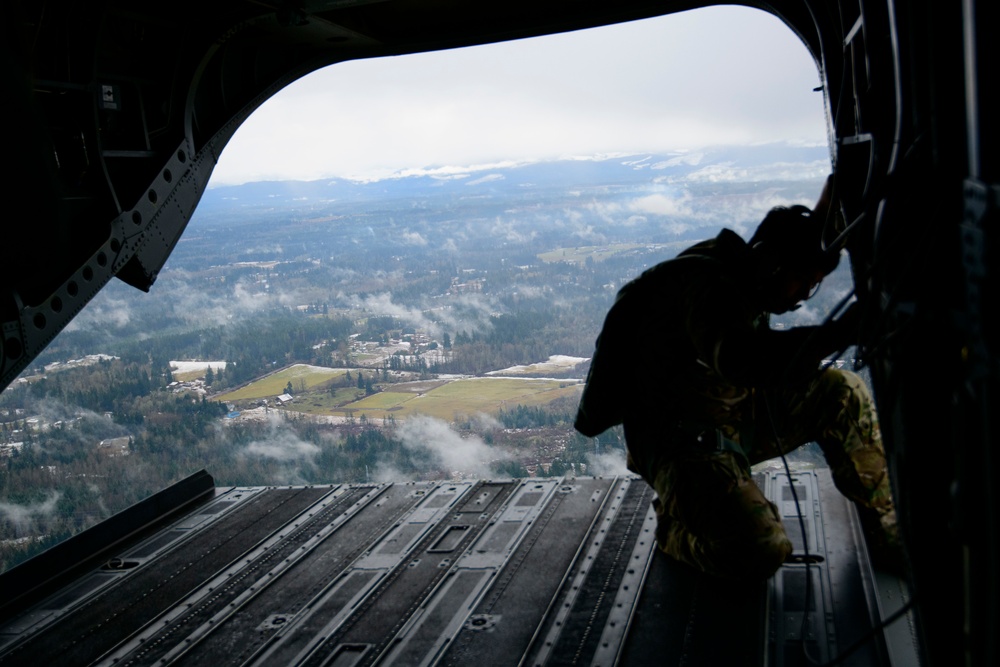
{"points": [[772, 358]]}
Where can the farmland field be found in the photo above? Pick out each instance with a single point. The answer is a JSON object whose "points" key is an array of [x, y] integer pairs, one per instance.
{"points": [[302, 377], [458, 398], [446, 399]]}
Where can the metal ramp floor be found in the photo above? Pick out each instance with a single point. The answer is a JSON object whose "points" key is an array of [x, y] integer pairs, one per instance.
{"points": [[493, 572]]}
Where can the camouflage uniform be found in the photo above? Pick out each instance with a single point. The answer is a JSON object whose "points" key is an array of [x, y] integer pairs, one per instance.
{"points": [[696, 413]]}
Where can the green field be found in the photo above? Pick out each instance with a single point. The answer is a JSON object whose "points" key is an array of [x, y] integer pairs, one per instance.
{"points": [[419, 386], [385, 400], [444, 399], [302, 377], [448, 401]]}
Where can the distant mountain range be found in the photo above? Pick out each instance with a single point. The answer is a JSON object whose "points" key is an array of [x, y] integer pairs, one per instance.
{"points": [[747, 163]]}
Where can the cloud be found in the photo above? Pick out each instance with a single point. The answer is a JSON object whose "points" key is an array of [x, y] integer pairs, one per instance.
{"points": [[282, 444], [104, 311], [607, 464], [101, 505], [23, 517], [684, 159], [286, 458], [588, 235], [387, 473], [607, 212], [660, 204], [487, 179], [506, 230], [533, 291], [726, 172], [285, 447], [484, 422], [414, 238], [175, 297], [183, 297], [467, 457], [382, 304], [581, 93], [640, 163], [470, 312], [453, 172], [49, 410], [82, 426]]}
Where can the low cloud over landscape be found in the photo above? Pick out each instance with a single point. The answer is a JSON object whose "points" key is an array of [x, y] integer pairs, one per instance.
{"points": [[462, 456]]}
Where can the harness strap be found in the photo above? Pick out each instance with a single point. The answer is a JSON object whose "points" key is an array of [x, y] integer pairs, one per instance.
{"points": [[712, 439]]}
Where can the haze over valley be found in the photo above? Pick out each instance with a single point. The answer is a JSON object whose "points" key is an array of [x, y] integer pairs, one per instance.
{"points": [[432, 325]]}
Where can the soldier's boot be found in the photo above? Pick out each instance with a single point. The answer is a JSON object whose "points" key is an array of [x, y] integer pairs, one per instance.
{"points": [[885, 546], [749, 557]]}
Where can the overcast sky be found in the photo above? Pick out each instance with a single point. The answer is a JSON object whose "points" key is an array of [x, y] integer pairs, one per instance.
{"points": [[707, 77]]}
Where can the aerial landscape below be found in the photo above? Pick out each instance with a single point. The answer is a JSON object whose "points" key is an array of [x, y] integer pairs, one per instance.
{"points": [[410, 328]]}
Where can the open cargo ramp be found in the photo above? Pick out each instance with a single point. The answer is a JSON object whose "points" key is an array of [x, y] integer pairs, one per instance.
{"points": [[494, 572]]}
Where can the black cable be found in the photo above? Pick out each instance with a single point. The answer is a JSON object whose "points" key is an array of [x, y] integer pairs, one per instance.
{"points": [[879, 627], [802, 528]]}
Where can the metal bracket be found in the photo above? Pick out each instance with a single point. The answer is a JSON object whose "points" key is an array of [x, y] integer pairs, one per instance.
{"points": [[139, 242]]}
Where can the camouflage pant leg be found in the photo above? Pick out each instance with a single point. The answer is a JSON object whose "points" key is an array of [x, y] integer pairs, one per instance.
{"points": [[713, 517], [837, 411]]}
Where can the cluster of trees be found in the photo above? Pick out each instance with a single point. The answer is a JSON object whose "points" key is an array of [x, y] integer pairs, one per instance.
{"points": [[409, 363], [105, 387], [510, 339], [380, 328], [63, 483], [532, 416]]}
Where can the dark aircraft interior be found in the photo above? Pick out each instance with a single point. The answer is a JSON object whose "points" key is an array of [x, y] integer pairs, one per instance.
{"points": [[117, 113]]}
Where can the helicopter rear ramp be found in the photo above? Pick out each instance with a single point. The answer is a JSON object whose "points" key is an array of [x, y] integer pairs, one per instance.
{"points": [[548, 571]]}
